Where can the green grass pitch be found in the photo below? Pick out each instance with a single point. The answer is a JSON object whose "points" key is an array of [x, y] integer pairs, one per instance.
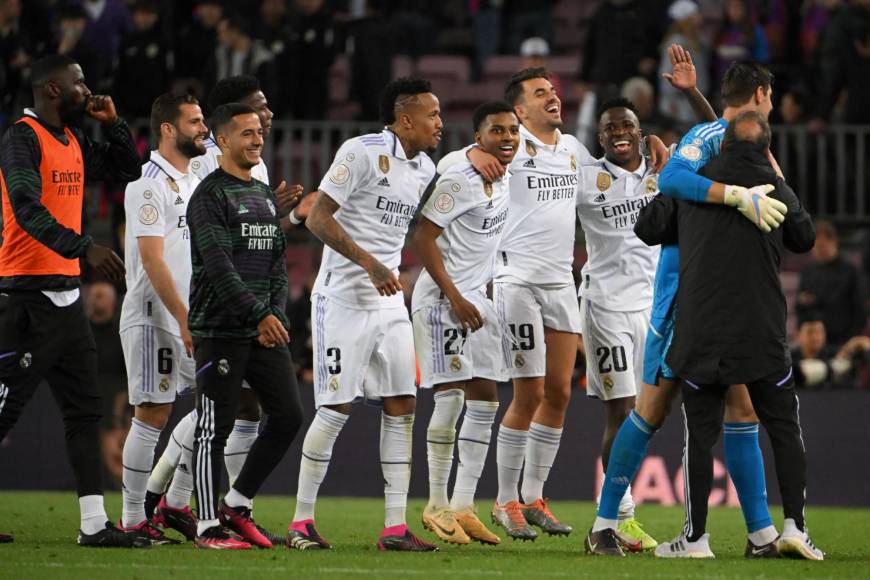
{"points": [[44, 525]]}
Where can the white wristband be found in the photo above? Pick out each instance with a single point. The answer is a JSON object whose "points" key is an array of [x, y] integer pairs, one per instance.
{"points": [[293, 219]]}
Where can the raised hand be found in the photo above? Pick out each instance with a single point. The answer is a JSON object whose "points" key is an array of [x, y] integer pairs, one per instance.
{"points": [[101, 108], [682, 75], [288, 197]]}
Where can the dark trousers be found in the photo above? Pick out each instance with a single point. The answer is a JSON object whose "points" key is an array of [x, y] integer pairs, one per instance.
{"points": [[40, 341], [776, 405], [221, 366]]}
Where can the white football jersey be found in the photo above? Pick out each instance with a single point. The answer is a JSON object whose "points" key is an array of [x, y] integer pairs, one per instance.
{"points": [[378, 189], [620, 269], [538, 242], [205, 164], [473, 214], [156, 205]]}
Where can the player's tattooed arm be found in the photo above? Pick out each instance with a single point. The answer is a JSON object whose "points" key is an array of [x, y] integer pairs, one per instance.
{"points": [[322, 223], [425, 236], [683, 77]]}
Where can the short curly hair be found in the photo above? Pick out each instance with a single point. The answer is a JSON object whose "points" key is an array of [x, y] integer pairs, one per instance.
{"points": [[405, 86], [232, 90], [616, 103]]}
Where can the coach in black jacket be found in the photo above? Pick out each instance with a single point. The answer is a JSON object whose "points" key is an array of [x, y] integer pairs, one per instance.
{"points": [[731, 311]]}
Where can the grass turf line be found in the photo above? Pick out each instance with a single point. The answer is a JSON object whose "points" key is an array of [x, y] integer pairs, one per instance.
{"points": [[44, 525]]}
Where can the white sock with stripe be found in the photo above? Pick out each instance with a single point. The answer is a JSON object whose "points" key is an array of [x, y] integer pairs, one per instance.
{"points": [[510, 454], [164, 470], [137, 458], [239, 442], [181, 487], [474, 438], [93, 514], [440, 441], [540, 455], [316, 454], [396, 465]]}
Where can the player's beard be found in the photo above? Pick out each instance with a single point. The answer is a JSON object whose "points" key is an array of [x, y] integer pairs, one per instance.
{"points": [[72, 113], [187, 146]]}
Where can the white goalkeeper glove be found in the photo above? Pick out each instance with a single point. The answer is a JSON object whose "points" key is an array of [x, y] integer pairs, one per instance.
{"points": [[765, 212]]}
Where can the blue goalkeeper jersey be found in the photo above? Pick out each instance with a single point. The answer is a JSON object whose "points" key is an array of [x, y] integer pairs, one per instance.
{"points": [[680, 180]]}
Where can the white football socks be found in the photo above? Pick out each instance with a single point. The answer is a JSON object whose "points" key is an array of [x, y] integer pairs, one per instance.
{"points": [[239, 442], [540, 455], [93, 514], [316, 454], [138, 458], [235, 499], [474, 438], [164, 470], [181, 488], [396, 465], [510, 453], [440, 441]]}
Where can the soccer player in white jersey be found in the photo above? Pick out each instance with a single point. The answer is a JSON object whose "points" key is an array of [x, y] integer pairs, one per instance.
{"points": [[534, 291], [158, 350], [616, 283], [462, 346], [176, 461], [362, 336]]}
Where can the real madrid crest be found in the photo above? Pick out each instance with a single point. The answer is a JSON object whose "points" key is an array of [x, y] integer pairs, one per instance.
{"points": [[172, 184], [333, 384], [487, 188], [223, 367], [519, 360], [455, 364], [573, 163], [652, 184], [607, 380], [530, 149], [604, 180], [384, 163], [164, 384]]}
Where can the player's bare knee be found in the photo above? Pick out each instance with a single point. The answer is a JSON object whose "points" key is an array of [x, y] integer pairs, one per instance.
{"points": [[557, 395], [153, 414]]}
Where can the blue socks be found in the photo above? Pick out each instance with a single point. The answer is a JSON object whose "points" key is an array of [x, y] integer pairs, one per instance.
{"points": [[746, 467], [626, 455]]}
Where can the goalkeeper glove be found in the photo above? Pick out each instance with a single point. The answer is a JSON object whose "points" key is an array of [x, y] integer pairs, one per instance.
{"points": [[765, 212]]}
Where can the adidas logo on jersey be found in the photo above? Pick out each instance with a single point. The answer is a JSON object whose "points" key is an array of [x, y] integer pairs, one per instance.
{"points": [[599, 198], [242, 209], [489, 205], [179, 201], [384, 182], [530, 163]]}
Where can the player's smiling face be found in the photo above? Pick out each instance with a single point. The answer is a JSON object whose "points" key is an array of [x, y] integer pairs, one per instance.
{"points": [[261, 105], [540, 105], [425, 122], [190, 131], [499, 135], [245, 136], [619, 135]]}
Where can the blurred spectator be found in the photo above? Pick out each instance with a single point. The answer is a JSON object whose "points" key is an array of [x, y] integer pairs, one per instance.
{"points": [[640, 91], [791, 108], [239, 54], [813, 24], [528, 18], [73, 21], [739, 38], [197, 44], [108, 22], [535, 51], [819, 365], [606, 64], [371, 50], [834, 287], [844, 60], [312, 51], [144, 55], [272, 30], [486, 27], [685, 30], [13, 55], [101, 306]]}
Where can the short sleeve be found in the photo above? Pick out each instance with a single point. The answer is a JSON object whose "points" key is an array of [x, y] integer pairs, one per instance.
{"points": [[452, 197], [350, 169], [145, 208], [452, 158]]}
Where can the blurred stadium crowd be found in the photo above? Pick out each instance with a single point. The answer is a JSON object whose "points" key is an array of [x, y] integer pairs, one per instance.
{"points": [[328, 59]]}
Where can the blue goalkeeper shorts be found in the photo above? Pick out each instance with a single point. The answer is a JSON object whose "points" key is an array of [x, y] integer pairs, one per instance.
{"points": [[658, 341]]}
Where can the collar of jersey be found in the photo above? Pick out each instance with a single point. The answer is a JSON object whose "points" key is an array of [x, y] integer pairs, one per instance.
{"points": [[161, 162], [528, 135], [618, 172], [396, 149]]}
